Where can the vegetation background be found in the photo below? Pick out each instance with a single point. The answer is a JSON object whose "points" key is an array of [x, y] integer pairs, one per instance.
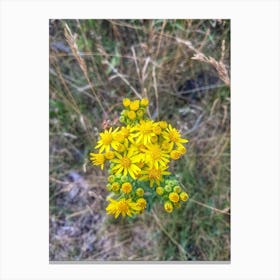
{"points": [[183, 68]]}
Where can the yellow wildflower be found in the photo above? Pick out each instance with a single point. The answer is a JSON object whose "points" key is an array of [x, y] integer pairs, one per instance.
{"points": [[144, 131], [175, 154], [125, 207], [119, 147], [182, 150], [139, 151], [126, 163], [166, 146], [134, 105], [155, 156], [128, 136], [106, 141], [184, 196], [126, 102], [168, 206], [163, 124], [126, 187], [131, 115], [173, 135], [142, 203], [154, 175], [97, 159], [109, 155], [144, 102], [174, 197], [157, 129]]}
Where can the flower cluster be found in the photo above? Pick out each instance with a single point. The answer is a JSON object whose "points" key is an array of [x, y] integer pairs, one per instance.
{"points": [[139, 153]]}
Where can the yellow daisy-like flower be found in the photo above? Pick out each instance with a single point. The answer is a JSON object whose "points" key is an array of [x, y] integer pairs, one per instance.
{"points": [[131, 115], [125, 207], [126, 102], [126, 188], [155, 156], [97, 159], [106, 141], [174, 197], [126, 163], [163, 124], [154, 175], [173, 135], [168, 206], [175, 154], [144, 132], [109, 155], [144, 102], [134, 105], [142, 203], [182, 150], [157, 129], [184, 196]]}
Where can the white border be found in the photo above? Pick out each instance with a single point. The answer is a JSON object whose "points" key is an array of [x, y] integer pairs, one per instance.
{"points": [[24, 138]]}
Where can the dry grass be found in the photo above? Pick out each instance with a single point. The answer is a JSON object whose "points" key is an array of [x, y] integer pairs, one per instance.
{"points": [[182, 66]]}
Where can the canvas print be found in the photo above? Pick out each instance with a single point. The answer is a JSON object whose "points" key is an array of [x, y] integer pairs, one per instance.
{"points": [[139, 140]]}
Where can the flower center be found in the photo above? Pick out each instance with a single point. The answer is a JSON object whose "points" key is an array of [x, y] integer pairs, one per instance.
{"points": [[122, 206], [125, 162], [107, 139], [175, 155], [154, 174]]}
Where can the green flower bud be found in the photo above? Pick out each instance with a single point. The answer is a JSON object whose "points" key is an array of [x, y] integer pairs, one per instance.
{"points": [[115, 187], [177, 189], [122, 119], [140, 192], [111, 178], [159, 190], [168, 188], [108, 187], [123, 179]]}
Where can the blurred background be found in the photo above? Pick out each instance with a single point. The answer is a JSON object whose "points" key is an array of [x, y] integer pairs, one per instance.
{"points": [[183, 68]]}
